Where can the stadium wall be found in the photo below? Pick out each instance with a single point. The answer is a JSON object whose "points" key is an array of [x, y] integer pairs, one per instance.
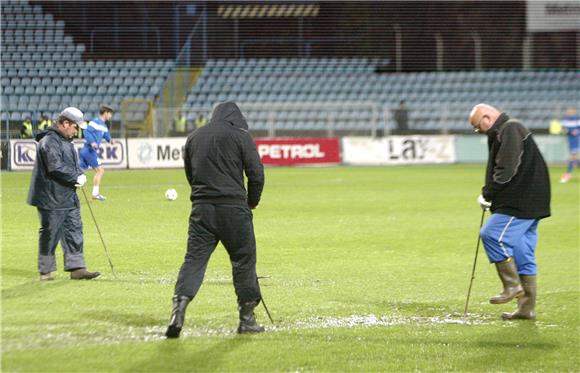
{"points": [[149, 153], [163, 29]]}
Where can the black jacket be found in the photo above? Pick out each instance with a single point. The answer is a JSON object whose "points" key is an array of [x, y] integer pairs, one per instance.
{"points": [[517, 181], [56, 169], [216, 157]]}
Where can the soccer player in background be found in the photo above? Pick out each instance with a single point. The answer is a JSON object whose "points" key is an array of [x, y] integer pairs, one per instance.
{"points": [[96, 131], [571, 122]]}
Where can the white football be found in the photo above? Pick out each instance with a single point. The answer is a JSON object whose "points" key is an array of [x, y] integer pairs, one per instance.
{"points": [[171, 194]]}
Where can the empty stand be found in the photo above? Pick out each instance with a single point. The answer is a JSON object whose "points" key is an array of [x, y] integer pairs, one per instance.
{"points": [[43, 70], [436, 100]]}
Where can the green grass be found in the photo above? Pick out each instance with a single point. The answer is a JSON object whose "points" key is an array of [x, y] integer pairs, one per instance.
{"points": [[393, 246]]}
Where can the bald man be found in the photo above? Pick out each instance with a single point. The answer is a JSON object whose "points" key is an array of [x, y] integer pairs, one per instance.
{"points": [[517, 191]]}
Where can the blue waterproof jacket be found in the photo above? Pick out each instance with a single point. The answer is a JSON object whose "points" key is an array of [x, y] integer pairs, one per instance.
{"points": [[56, 169]]}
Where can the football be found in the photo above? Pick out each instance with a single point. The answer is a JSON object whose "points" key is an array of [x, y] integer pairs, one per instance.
{"points": [[171, 194]]}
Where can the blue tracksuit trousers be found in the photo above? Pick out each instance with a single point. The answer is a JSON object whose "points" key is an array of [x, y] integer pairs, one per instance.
{"points": [[504, 236]]}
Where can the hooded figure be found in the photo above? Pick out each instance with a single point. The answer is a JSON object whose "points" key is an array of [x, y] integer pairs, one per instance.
{"points": [[216, 156]]}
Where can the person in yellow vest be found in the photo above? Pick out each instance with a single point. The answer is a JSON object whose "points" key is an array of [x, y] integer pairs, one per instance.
{"points": [[26, 129], [180, 123], [44, 123], [555, 127], [200, 121]]}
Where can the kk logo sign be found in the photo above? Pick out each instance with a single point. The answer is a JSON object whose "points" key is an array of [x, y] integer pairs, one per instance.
{"points": [[23, 154], [111, 155]]}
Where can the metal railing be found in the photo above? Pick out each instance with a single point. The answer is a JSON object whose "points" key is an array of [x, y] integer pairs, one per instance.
{"points": [[329, 118]]}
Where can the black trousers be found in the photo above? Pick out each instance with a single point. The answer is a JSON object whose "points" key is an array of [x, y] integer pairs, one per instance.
{"points": [[66, 227], [233, 226]]}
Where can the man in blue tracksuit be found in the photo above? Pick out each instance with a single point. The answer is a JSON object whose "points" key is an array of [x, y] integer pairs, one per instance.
{"points": [[571, 122], [96, 131], [517, 190]]}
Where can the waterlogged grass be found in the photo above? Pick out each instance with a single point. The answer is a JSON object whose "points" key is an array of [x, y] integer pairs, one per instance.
{"points": [[366, 269]]}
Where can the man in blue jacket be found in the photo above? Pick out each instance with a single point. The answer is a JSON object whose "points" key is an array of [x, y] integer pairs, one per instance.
{"points": [[55, 177], [96, 131]]}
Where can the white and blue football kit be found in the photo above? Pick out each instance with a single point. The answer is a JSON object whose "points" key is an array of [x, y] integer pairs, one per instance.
{"points": [[572, 125], [96, 131]]}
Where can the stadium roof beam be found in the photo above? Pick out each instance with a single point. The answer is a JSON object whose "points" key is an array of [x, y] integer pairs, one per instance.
{"points": [[268, 10]]}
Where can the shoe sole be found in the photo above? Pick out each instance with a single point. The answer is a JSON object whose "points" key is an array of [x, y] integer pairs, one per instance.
{"points": [[509, 317], [85, 278], [250, 331]]}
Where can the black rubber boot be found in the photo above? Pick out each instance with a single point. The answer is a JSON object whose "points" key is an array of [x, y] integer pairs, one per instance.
{"points": [[83, 274], [527, 303], [512, 288], [248, 322], [180, 303]]}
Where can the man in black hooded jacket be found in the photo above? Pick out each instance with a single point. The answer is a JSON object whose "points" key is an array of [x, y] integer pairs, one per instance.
{"points": [[216, 157]]}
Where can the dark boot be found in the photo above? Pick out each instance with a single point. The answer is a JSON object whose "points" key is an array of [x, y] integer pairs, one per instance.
{"points": [[180, 303], [83, 274], [526, 303], [248, 322], [512, 288]]}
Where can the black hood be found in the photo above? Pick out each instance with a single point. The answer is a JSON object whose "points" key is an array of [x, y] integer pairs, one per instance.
{"points": [[229, 113], [41, 134], [52, 131]]}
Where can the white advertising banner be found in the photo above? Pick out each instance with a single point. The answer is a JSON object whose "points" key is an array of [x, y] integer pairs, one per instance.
{"points": [[553, 15], [23, 153], [398, 150], [156, 152]]}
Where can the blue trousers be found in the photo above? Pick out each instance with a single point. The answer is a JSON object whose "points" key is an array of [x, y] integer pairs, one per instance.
{"points": [[506, 236], [88, 157], [66, 227]]}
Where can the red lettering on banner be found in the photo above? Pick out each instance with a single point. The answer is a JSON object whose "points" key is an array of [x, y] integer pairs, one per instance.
{"points": [[290, 151]]}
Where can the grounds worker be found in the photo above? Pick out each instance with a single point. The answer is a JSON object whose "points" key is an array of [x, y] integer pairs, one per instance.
{"points": [[55, 177], [180, 123], [216, 157], [44, 123], [517, 190], [200, 121], [26, 129]]}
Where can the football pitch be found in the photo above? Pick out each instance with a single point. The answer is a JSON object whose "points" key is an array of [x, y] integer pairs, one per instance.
{"points": [[365, 269]]}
